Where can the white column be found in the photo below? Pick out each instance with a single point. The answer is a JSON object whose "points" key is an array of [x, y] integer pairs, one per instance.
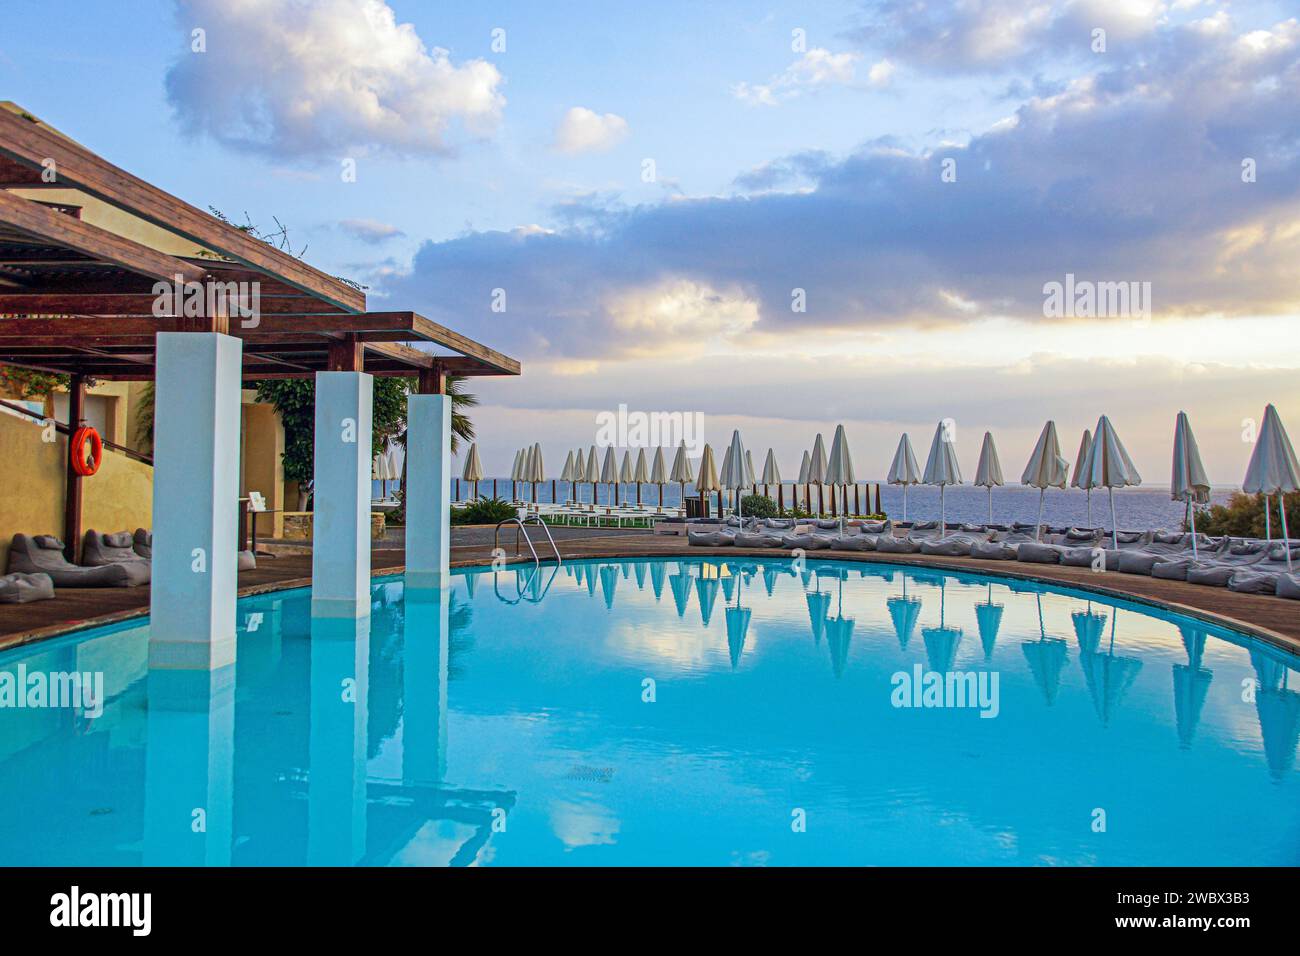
{"points": [[340, 554], [336, 782], [428, 490], [195, 500], [424, 684]]}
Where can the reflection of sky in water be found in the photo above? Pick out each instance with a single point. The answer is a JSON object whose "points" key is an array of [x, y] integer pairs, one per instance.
{"points": [[503, 722]]}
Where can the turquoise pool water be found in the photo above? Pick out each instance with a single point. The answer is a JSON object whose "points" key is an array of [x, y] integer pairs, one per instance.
{"points": [[722, 712]]}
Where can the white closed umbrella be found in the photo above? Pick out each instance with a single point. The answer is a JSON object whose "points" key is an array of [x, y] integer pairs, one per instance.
{"points": [[772, 476], [579, 473], [516, 473], [659, 474], [536, 470], [566, 473], [707, 481], [682, 471], [592, 472], [805, 469], [1273, 469], [396, 455], [1109, 466], [749, 470], [817, 472], [609, 475], [904, 470], [1080, 479], [473, 470], [941, 469], [726, 463], [624, 473], [735, 475], [1188, 482], [1046, 469], [839, 469], [640, 474], [988, 474]]}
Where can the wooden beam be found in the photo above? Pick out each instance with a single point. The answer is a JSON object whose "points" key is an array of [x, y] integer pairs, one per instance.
{"points": [[130, 304], [72, 487], [37, 220], [433, 380], [31, 144], [346, 355]]}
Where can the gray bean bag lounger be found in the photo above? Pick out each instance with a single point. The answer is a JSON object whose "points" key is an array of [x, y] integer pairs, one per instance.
{"points": [[1288, 586], [711, 539], [142, 542], [891, 544], [20, 588], [758, 539], [1262, 578], [99, 550], [957, 545], [43, 554], [1034, 552], [993, 551]]}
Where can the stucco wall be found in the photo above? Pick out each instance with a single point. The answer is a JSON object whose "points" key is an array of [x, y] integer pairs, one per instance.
{"points": [[119, 497]]}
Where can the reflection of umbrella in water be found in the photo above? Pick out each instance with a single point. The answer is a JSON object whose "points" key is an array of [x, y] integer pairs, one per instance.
{"points": [[471, 583], [819, 604], [639, 569], [1191, 685], [904, 611], [1279, 727], [1088, 628], [941, 642], [770, 574], [728, 583], [737, 627], [608, 579], [1046, 657], [989, 618], [681, 587], [706, 590], [839, 631], [1108, 677], [657, 574], [1270, 672], [591, 580]]}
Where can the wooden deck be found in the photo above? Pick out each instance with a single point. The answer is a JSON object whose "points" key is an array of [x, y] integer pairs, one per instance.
{"points": [[1273, 619]]}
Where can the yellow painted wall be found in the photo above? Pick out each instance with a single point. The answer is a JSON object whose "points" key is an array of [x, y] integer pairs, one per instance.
{"points": [[263, 445], [119, 497]]}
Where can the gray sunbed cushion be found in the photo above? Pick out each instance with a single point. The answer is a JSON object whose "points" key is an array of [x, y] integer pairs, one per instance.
{"points": [[1168, 537], [993, 551], [889, 544], [1036, 553], [853, 542], [1214, 575], [142, 542], [950, 547], [809, 542], [26, 557], [925, 526], [48, 542], [711, 539], [246, 561], [1251, 581], [1138, 562], [872, 527], [21, 588], [1080, 534], [1288, 586], [1079, 557], [119, 539], [1129, 537], [1172, 569], [748, 539]]}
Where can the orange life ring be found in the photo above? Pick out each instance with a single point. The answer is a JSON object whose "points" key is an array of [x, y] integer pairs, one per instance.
{"points": [[78, 451]]}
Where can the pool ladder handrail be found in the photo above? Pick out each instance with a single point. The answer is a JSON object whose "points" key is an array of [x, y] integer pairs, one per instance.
{"points": [[521, 522]]}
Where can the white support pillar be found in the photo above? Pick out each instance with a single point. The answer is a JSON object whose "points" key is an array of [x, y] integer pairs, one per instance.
{"points": [[428, 490], [336, 785], [425, 644], [340, 554], [195, 500]]}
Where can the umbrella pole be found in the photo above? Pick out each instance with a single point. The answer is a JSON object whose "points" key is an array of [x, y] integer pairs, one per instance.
{"points": [[1038, 528], [943, 524], [990, 504], [1114, 524], [1089, 490], [780, 499], [1192, 512], [1286, 538], [1268, 527], [904, 502]]}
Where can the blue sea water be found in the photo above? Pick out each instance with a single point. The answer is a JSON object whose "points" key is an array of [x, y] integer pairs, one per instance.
{"points": [[1141, 508], [712, 712]]}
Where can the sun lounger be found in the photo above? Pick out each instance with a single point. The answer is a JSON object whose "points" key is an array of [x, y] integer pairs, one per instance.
{"points": [[1262, 578], [711, 539], [1142, 560], [993, 550], [1037, 552], [761, 538], [99, 550], [43, 554], [892, 544], [1217, 571], [956, 545], [142, 542], [1288, 586], [20, 588]]}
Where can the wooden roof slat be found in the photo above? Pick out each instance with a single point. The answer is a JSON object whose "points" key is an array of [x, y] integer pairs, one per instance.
{"points": [[30, 144], [41, 221]]}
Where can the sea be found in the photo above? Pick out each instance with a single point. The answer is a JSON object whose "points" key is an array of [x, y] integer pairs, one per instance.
{"points": [[1136, 508]]}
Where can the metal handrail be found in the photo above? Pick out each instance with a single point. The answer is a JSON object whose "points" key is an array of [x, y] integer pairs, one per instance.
{"points": [[496, 537]]}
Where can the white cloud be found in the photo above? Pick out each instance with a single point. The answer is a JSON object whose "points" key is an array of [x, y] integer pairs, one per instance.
{"points": [[370, 230], [318, 78], [815, 69], [586, 131]]}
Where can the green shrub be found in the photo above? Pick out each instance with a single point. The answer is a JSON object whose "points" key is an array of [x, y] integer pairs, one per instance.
{"points": [[1243, 516], [757, 506], [484, 511]]}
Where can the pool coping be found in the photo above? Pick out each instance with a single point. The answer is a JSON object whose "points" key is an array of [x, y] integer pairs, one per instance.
{"points": [[1268, 635]]}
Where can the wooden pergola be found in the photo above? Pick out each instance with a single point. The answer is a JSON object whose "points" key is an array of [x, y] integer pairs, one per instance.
{"points": [[82, 299]]}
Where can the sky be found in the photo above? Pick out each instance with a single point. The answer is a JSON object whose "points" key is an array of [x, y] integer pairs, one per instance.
{"points": [[777, 218]]}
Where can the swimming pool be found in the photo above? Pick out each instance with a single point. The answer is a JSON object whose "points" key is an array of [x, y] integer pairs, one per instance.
{"points": [[716, 711]]}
